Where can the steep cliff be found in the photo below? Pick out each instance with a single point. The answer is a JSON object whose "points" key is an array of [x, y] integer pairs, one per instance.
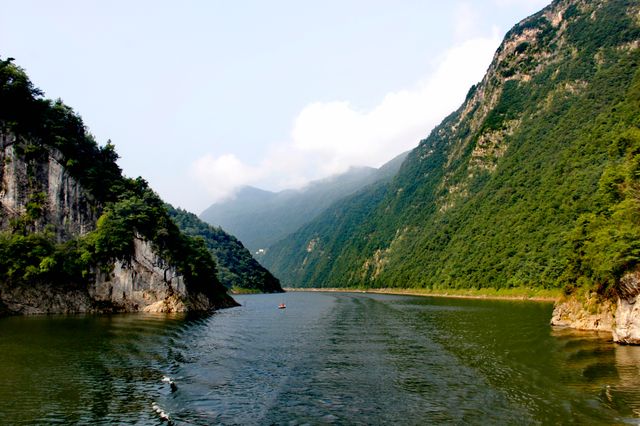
{"points": [[618, 313], [143, 283], [64, 205], [77, 236], [627, 315]]}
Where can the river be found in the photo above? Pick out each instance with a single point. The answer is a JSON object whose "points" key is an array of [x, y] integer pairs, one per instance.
{"points": [[343, 358]]}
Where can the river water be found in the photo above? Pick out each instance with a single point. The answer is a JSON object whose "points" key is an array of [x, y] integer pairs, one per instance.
{"points": [[342, 358]]}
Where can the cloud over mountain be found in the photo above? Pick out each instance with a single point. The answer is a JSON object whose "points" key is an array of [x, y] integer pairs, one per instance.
{"points": [[328, 137]]}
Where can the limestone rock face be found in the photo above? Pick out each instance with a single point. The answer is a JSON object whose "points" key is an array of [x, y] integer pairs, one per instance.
{"points": [[621, 318], [627, 326], [590, 314], [67, 207], [145, 282]]}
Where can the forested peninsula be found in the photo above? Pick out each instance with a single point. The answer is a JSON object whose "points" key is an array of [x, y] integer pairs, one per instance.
{"points": [[78, 236]]}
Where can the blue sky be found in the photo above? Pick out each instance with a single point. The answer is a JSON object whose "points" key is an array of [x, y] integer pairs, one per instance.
{"points": [[200, 97]]}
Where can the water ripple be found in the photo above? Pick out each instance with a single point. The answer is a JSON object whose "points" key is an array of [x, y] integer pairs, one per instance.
{"points": [[326, 359]]}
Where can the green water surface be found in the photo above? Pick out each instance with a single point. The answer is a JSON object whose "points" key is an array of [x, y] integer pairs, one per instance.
{"points": [[327, 358]]}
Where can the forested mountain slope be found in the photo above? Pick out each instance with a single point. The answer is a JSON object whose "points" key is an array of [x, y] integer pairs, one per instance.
{"points": [[260, 218], [237, 269], [532, 182]]}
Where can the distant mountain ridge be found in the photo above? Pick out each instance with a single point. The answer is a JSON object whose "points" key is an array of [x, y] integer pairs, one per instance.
{"points": [[260, 218]]}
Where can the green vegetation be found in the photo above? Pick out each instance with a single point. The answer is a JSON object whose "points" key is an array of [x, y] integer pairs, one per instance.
{"points": [[539, 294], [481, 293], [606, 242], [553, 206], [237, 269], [31, 250], [52, 124], [244, 290]]}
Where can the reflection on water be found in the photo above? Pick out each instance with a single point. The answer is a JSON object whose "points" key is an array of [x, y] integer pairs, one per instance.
{"points": [[327, 358], [624, 395], [82, 368]]}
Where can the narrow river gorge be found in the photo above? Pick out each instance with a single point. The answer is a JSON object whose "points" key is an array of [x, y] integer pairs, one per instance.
{"points": [[343, 358]]}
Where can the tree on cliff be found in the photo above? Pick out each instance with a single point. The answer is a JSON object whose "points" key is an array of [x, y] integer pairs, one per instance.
{"points": [[126, 208]]}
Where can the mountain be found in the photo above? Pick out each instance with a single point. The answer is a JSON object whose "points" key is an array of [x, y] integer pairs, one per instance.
{"points": [[76, 235], [532, 182], [237, 269], [260, 218]]}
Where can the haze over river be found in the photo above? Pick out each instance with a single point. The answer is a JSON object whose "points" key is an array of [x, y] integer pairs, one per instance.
{"points": [[343, 358]]}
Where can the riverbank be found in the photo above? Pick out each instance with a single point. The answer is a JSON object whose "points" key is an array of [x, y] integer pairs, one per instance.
{"points": [[243, 290], [536, 295]]}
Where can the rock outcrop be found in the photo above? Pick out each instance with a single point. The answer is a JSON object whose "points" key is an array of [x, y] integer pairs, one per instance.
{"points": [[66, 207], [146, 283], [45, 298], [589, 313], [621, 318], [143, 282], [627, 325]]}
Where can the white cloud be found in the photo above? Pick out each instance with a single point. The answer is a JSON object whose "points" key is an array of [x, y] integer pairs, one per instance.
{"points": [[329, 137], [221, 176]]}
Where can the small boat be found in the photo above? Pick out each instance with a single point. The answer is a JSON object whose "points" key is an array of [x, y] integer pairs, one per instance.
{"points": [[282, 306]]}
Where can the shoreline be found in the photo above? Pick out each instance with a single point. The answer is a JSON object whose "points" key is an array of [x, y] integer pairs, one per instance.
{"points": [[490, 294]]}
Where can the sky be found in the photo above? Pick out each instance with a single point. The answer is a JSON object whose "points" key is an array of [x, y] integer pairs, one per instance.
{"points": [[201, 97]]}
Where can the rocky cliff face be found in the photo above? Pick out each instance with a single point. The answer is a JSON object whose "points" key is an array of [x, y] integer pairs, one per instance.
{"points": [[590, 313], [621, 318], [145, 282], [627, 325], [66, 207]]}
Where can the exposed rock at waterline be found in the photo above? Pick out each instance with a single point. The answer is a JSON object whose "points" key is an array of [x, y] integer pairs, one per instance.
{"points": [[622, 318], [145, 284], [589, 314], [627, 319], [45, 298], [34, 179]]}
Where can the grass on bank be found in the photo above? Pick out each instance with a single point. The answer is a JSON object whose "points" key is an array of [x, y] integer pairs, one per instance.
{"points": [[481, 293], [243, 290]]}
